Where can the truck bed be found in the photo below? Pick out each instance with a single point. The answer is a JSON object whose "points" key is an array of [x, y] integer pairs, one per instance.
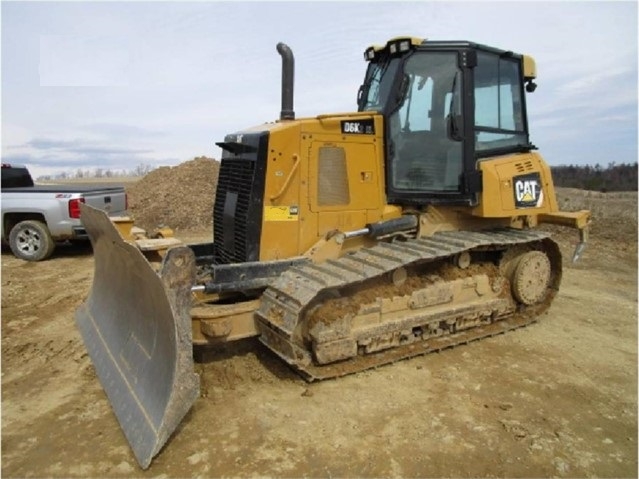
{"points": [[75, 188]]}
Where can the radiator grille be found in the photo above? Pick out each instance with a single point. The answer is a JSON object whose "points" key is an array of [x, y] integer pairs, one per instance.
{"points": [[235, 181]]}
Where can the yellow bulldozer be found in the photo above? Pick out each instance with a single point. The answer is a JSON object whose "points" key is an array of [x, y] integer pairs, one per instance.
{"points": [[344, 241]]}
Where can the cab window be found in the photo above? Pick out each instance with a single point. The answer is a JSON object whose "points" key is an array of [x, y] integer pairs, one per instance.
{"points": [[499, 115], [423, 157]]}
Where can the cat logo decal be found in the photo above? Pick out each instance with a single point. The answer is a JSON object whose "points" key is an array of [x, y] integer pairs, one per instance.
{"points": [[528, 191]]}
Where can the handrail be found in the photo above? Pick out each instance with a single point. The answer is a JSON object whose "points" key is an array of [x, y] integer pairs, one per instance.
{"points": [[288, 178]]}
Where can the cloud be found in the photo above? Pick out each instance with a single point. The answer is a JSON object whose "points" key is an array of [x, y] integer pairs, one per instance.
{"points": [[83, 60], [82, 147], [120, 131], [17, 159], [190, 79], [44, 155], [60, 163], [48, 144]]}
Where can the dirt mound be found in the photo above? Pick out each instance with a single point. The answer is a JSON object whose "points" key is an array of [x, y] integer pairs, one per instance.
{"points": [[614, 215], [621, 205], [180, 197]]}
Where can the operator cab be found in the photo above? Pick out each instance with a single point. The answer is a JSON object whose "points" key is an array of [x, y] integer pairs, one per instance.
{"points": [[446, 105]]}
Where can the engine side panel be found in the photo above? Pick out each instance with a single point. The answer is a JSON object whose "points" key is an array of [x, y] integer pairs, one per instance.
{"points": [[322, 174]]}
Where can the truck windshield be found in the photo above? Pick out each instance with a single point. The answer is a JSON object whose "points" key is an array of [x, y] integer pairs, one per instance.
{"points": [[378, 84]]}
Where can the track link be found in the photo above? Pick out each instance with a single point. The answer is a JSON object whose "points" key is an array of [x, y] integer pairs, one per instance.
{"points": [[286, 314]]}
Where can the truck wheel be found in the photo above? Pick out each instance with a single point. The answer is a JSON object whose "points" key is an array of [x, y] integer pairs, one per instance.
{"points": [[30, 240]]}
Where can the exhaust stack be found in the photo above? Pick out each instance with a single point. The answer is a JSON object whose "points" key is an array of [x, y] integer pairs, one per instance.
{"points": [[288, 78]]}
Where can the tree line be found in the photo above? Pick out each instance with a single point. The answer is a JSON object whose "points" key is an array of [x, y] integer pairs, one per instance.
{"points": [[140, 170], [614, 177]]}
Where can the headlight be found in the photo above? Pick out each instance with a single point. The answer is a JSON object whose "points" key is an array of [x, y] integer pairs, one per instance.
{"points": [[369, 54], [402, 44]]}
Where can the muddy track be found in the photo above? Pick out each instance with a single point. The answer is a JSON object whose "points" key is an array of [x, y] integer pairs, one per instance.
{"points": [[289, 329]]}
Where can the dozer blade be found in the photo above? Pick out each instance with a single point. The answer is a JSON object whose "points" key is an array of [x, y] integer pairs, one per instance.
{"points": [[137, 329]]}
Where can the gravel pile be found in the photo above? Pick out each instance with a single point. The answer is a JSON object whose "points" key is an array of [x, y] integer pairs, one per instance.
{"points": [[180, 197]]}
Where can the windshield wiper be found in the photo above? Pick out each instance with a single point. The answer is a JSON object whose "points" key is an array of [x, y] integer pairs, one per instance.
{"points": [[377, 75], [452, 129]]}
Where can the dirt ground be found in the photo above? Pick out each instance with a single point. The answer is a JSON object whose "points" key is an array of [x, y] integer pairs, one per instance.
{"points": [[558, 398]]}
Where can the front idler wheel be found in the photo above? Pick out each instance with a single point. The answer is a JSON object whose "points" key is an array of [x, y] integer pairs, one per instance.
{"points": [[531, 278]]}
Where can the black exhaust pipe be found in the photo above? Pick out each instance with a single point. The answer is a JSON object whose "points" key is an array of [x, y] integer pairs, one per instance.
{"points": [[288, 78]]}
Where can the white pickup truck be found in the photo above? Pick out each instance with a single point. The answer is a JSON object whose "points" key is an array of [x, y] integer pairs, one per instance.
{"points": [[34, 217]]}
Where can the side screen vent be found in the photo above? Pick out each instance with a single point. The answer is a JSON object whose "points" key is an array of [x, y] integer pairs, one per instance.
{"points": [[239, 198], [231, 210], [332, 178]]}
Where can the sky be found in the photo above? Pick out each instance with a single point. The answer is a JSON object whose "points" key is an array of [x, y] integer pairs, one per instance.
{"points": [[114, 85]]}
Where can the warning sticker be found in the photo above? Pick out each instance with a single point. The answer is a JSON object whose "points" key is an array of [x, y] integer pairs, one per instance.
{"points": [[281, 213]]}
